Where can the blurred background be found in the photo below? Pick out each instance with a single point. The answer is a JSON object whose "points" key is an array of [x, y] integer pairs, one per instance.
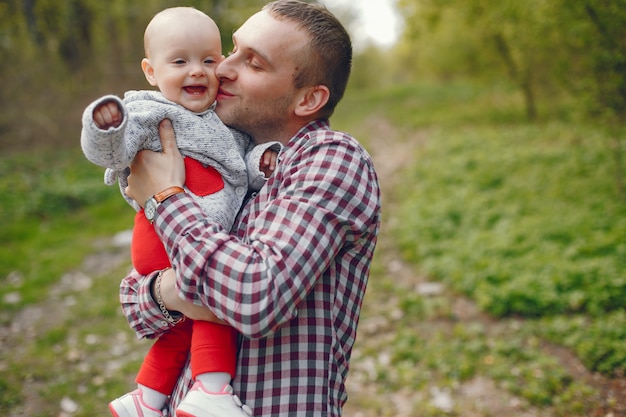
{"points": [[497, 129], [59, 55]]}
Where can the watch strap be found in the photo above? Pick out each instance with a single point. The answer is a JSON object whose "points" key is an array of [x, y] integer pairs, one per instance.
{"points": [[167, 193]]}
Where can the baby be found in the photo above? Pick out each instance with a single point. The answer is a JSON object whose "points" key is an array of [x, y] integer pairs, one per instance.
{"points": [[182, 47]]}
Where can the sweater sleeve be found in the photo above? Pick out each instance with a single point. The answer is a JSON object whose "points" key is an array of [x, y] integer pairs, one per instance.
{"points": [[105, 148], [256, 178]]}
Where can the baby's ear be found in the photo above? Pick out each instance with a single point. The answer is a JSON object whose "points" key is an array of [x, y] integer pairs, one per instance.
{"points": [[148, 71]]}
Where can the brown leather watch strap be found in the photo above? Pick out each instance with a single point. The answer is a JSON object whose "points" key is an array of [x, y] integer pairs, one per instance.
{"points": [[167, 193]]}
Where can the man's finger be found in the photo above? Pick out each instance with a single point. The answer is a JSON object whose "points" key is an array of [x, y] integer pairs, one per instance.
{"points": [[168, 139]]}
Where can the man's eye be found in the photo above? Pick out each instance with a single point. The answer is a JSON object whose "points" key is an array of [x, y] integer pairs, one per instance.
{"points": [[253, 64]]}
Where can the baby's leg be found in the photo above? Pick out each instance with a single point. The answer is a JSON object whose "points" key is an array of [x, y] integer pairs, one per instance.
{"points": [[213, 354], [213, 364], [164, 364], [158, 375]]}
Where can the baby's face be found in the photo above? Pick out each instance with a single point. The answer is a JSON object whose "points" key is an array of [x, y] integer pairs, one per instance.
{"points": [[184, 57]]}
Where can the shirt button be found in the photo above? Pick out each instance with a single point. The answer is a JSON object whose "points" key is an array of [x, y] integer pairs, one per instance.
{"points": [[232, 153], [163, 323], [240, 191]]}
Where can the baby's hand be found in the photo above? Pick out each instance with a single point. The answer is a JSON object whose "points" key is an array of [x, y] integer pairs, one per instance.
{"points": [[268, 162], [108, 115]]}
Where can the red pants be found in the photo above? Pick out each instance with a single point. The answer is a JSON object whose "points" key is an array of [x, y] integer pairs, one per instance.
{"points": [[213, 347]]}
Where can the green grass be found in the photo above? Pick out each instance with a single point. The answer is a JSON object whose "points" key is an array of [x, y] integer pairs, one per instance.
{"points": [[522, 217], [54, 205], [524, 220], [462, 353]]}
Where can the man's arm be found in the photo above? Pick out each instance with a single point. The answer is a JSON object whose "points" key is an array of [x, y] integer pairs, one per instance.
{"points": [[325, 202], [173, 302], [142, 310]]}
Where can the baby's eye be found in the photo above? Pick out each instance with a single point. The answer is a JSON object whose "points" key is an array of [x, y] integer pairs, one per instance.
{"points": [[179, 61], [209, 61]]}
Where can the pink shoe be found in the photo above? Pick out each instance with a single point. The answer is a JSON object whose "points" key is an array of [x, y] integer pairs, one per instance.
{"points": [[201, 403], [132, 405]]}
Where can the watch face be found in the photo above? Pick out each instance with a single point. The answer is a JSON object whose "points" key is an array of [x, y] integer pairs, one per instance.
{"points": [[150, 209]]}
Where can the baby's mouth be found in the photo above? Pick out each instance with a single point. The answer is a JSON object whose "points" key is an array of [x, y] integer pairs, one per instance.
{"points": [[195, 89]]}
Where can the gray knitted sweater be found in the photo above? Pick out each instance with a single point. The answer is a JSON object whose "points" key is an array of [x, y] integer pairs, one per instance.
{"points": [[201, 136]]}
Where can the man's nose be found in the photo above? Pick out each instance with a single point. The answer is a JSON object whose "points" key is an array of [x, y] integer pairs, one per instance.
{"points": [[225, 68]]}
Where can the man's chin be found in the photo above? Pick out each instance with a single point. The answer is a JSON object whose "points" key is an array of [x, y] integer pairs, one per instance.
{"points": [[227, 117], [222, 111]]}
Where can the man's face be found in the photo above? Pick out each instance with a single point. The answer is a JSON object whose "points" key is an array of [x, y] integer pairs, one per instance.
{"points": [[257, 95]]}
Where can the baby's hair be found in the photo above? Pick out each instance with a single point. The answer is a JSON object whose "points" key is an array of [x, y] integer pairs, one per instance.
{"points": [[162, 18]]}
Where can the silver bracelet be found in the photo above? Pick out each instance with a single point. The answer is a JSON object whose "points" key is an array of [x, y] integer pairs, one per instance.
{"points": [[159, 299]]}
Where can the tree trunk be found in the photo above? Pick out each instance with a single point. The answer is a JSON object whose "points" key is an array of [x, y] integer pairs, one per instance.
{"points": [[524, 81]]}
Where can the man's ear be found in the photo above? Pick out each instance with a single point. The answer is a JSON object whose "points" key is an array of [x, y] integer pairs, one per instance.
{"points": [[148, 71], [311, 100]]}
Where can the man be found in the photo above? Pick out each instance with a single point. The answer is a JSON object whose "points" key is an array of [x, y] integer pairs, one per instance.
{"points": [[292, 274]]}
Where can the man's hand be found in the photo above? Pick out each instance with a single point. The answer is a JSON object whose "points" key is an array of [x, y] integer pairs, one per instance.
{"points": [[108, 115], [152, 172], [174, 303]]}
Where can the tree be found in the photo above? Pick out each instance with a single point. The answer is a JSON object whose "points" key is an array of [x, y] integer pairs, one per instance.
{"points": [[598, 40], [519, 38]]}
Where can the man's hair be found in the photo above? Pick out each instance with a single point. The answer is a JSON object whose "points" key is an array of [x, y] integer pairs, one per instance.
{"points": [[328, 60]]}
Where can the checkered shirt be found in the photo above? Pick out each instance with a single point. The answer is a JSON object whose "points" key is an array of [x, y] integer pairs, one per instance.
{"points": [[290, 277]]}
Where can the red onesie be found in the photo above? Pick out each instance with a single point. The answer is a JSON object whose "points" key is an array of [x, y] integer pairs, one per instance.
{"points": [[213, 346]]}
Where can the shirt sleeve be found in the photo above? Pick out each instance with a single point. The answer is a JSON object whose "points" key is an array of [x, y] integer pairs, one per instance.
{"points": [[141, 311], [322, 200]]}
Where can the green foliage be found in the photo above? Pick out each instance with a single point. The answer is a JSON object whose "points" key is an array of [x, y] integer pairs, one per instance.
{"points": [[482, 38], [54, 204], [516, 362], [598, 341], [491, 201], [522, 217], [9, 395], [599, 31], [507, 224], [542, 46]]}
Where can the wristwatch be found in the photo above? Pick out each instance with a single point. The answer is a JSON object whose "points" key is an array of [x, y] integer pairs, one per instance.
{"points": [[153, 202]]}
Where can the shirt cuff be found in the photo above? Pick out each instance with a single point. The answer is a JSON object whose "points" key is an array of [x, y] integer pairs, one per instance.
{"points": [[142, 312], [154, 318]]}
